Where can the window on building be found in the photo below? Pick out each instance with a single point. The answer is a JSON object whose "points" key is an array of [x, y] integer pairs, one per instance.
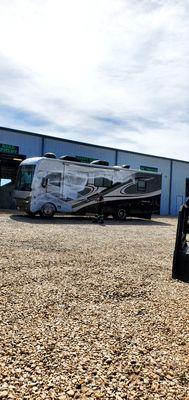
{"points": [[141, 185], [187, 187]]}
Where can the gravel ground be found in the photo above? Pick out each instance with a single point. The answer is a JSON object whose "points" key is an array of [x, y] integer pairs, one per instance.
{"points": [[90, 311]]}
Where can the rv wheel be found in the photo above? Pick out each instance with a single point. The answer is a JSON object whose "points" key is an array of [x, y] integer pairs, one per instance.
{"points": [[121, 214], [47, 210]]}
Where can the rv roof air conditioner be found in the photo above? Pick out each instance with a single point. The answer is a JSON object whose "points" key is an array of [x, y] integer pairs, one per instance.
{"points": [[69, 158], [99, 162], [49, 155], [126, 166]]}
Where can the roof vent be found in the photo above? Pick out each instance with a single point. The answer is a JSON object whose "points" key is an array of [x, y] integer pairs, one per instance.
{"points": [[99, 162], [126, 166], [68, 158], [49, 155]]}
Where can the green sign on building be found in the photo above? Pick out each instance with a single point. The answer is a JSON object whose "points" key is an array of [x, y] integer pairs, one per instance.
{"points": [[8, 148], [150, 169]]}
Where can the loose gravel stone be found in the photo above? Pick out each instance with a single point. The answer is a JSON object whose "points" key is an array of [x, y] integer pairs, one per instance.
{"points": [[90, 311]]}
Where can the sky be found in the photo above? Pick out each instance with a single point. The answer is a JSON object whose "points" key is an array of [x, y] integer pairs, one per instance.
{"points": [[109, 72]]}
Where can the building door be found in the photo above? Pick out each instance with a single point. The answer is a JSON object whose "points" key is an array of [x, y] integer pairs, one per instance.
{"points": [[8, 169]]}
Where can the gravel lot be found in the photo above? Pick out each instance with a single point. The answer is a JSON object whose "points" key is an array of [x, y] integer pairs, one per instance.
{"points": [[90, 311]]}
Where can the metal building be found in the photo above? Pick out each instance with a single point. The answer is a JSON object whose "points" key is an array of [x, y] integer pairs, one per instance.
{"points": [[15, 145]]}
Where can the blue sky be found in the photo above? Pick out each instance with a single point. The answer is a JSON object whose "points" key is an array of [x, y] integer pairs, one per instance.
{"points": [[109, 72]]}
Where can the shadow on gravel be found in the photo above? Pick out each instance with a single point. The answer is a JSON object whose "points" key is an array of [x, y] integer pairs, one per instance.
{"points": [[79, 220]]}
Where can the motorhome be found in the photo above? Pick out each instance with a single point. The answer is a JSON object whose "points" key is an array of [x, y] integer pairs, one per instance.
{"points": [[47, 186]]}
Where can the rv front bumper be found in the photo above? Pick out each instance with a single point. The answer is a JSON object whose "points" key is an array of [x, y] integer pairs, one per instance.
{"points": [[23, 204]]}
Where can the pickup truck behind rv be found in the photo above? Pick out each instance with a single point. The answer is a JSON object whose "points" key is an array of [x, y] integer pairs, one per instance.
{"points": [[47, 186]]}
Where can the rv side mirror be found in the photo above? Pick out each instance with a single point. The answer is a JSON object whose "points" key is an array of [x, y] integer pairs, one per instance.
{"points": [[44, 182]]}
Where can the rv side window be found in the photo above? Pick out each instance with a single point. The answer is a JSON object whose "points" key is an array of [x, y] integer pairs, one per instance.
{"points": [[54, 179], [141, 186], [102, 182]]}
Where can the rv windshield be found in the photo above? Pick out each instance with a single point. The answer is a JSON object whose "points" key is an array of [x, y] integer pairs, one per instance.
{"points": [[24, 177]]}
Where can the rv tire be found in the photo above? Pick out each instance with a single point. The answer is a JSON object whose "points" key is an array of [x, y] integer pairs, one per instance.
{"points": [[121, 214], [147, 216], [47, 210]]}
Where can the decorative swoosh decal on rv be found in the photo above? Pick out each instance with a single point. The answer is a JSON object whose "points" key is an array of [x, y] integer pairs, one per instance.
{"points": [[108, 199], [110, 193]]}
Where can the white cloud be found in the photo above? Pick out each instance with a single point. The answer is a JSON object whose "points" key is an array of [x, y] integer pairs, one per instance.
{"points": [[112, 72]]}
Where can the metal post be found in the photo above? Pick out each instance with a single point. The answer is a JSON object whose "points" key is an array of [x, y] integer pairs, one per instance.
{"points": [[42, 145], [116, 157], [170, 185]]}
